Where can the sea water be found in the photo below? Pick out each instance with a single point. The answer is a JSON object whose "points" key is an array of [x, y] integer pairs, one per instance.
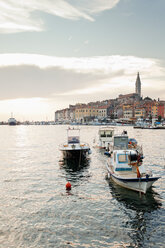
{"points": [[36, 210]]}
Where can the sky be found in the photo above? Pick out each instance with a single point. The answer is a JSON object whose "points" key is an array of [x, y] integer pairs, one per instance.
{"points": [[59, 52]]}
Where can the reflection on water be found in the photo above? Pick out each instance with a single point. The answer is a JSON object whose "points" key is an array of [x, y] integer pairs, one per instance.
{"points": [[138, 208], [134, 200], [37, 212], [75, 171]]}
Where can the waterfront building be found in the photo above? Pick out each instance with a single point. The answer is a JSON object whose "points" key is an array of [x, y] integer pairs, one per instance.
{"points": [[147, 105], [161, 109], [58, 115], [128, 114], [102, 112], [154, 110], [63, 115], [119, 112], [129, 106], [139, 113], [85, 113], [132, 97]]}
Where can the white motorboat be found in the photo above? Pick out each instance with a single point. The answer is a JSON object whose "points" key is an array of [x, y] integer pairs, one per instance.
{"points": [[105, 138], [125, 167], [73, 148]]}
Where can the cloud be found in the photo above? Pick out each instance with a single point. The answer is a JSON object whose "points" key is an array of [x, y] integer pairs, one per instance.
{"points": [[96, 64], [32, 75], [23, 16], [95, 6]]}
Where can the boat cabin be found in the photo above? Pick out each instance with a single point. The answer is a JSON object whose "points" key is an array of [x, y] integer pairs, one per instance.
{"points": [[105, 137], [123, 160]]}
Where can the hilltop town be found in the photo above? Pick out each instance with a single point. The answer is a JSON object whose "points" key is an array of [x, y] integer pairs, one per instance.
{"points": [[125, 109]]}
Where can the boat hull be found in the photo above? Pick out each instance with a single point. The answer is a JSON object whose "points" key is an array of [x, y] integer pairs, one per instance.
{"points": [[12, 123], [137, 184], [77, 154]]}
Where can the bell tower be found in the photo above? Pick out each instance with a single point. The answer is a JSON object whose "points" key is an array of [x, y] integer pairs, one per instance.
{"points": [[138, 85]]}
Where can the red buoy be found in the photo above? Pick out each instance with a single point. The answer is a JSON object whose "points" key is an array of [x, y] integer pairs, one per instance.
{"points": [[68, 186]]}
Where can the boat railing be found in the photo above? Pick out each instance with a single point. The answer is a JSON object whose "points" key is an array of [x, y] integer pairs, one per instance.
{"points": [[82, 144]]}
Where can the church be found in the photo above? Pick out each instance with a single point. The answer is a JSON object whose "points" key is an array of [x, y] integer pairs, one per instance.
{"points": [[138, 86], [132, 96]]}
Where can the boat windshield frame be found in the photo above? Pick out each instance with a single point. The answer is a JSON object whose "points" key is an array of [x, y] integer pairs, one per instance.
{"points": [[73, 135]]}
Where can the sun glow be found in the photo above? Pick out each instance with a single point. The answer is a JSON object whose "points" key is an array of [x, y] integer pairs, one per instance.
{"points": [[25, 109]]}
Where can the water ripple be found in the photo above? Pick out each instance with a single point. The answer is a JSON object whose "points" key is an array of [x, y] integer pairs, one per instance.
{"points": [[37, 211]]}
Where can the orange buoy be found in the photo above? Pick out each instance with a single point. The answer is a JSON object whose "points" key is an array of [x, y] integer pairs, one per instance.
{"points": [[68, 186]]}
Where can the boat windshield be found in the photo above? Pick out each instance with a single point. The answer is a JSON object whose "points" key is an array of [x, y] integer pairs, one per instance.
{"points": [[121, 142], [105, 133], [73, 140]]}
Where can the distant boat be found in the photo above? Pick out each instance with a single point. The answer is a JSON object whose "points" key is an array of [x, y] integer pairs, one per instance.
{"points": [[12, 121]]}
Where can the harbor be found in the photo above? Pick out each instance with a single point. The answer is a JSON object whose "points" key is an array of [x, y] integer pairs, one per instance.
{"points": [[37, 209], [82, 124]]}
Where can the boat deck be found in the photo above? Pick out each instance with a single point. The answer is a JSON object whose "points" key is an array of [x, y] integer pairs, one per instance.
{"points": [[126, 174]]}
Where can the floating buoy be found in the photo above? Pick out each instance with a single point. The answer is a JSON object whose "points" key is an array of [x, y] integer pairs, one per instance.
{"points": [[68, 186]]}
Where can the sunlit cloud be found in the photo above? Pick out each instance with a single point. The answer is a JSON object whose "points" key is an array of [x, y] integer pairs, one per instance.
{"points": [[17, 16], [32, 75], [96, 64], [95, 6], [34, 84]]}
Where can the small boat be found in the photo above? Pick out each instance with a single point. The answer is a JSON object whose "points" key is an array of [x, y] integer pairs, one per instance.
{"points": [[73, 148], [125, 167], [12, 121], [105, 138]]}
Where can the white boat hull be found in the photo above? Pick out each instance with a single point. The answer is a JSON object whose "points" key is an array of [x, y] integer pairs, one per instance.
{"points": [[137, 184]]}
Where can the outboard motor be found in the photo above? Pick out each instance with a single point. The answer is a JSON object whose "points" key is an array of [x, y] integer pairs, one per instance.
{"points": [[133, 156]]}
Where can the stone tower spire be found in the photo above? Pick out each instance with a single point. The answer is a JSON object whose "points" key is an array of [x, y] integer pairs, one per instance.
{"points": [[138, 85]]}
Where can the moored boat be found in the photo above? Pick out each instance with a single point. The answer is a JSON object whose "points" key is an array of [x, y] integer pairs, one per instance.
{"points": [[73, 148], [105, 138], [125, 167]]}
